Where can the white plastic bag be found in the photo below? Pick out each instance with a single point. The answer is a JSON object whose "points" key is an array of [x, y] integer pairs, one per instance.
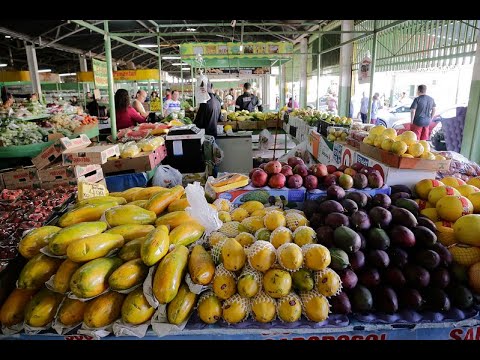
{"points": [[167, 176], [200, 209], [201, 94], [265, 140]]}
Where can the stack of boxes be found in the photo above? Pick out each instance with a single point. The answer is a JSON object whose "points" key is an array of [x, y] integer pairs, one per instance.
{"points": [[66, 162]]}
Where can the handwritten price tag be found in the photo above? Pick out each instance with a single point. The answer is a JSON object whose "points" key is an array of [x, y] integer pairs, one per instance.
{"points": [[87, 190]]}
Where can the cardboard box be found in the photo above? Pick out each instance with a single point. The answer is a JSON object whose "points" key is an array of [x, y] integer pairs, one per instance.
{"points": [[394, 176], [325, 152], [313, 143], [51, 153], [60, 172], [342, 154], [145, 161], [91, 155], [93, 176], [247, 125], [399, 162], [235, 196], [318, 193], [20, 176]]}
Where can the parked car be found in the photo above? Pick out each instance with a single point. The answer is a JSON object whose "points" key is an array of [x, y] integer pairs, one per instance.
{"points": [[323, 104], [394, 117]]}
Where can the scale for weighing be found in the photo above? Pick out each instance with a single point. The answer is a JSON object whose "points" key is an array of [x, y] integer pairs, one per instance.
{"points": [[185, 149]]}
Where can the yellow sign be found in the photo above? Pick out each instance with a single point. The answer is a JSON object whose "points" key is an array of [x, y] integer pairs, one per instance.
{"points": [[147, 74], [11, 76], [87, 190], [85, 76], [121, 75], [125, 75], [99, 73], [250, 49]]}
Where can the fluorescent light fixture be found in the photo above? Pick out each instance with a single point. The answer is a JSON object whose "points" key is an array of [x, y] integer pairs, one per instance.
{"points": [[148, 45], [8, 37], [67, 74], [185, 69], [179, 64], [222, 80], [171, 57], [45, 70], [191, 29], [241, 48], [3, 65]]}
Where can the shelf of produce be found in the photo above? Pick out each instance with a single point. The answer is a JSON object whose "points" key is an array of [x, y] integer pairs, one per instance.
{"points": [[464, 330], [35, 117]]}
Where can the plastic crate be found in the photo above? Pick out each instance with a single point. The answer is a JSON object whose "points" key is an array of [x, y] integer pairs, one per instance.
{"points": [[323, 125]]}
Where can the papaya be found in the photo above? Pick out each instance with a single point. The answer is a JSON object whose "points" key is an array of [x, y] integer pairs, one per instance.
{"points": [[71, 312], [140, 203], [174, 219], [131, 250], [178, 205], [155, 245], [60, 241], [37, 270], [61, 280], [91, 279], [180, 308], [84, 214], [147, 193], [101, 200], [127, 194], [93, 247], [42, 308], [129, 214], [131, 231], [36, 239], [135, 309], [12, 311], [201, 266], [103, 310], [224, 285], [233, 255], [169, 274], [187, 233], [159, 202], [128, 275], [209, 308]]}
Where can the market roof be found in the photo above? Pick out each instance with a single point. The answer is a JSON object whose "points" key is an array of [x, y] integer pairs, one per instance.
{"points": [[59, 42]]}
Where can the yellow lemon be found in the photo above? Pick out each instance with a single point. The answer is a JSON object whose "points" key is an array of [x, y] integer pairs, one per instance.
{"points": [[377, 130], [378, 141], [387, 144], [409, 137], [440, 157], [399, 148], [227, 128], [408, 156], [390, 133], [427, 155], [415, 149], [425, 144]]}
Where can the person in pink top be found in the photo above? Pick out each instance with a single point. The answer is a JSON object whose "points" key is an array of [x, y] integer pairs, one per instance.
{"points": [[126, 115]]}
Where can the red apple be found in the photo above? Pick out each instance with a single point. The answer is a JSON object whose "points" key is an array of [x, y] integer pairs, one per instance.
{"points": [[294, 161], [287, 170], [295, 181], [301, 170], [345, 181], [252, 171], [338, 173], [330, 180], [277, 181], [259, 178], [357, 166], [350, 171], [331, 169], [311, 182], [342, 168], [273, 167], [262, 165], [320, 170]]}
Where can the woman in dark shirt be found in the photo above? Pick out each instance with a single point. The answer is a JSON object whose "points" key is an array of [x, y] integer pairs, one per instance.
{"points": [[126, 115]]}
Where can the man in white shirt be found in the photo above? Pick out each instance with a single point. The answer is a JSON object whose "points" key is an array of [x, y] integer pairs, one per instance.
{"points": [[364, 108], [137, 104], [172, 105]]}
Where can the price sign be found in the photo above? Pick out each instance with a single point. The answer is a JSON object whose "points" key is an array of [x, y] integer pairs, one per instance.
{"points": [[87, 190]]}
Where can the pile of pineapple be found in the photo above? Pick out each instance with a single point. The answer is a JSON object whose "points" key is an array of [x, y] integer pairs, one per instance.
{"points": [[268, 264]]}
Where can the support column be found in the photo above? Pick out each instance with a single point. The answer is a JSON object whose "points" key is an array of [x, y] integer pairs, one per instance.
{"points": [[346, 53], [111, 98], [319, 66], [192, 72], [84, 68], [372, 70], [471, 130], [281, 94], [33, 68], [160, 85], [303, 72], [266, 92], [181, 77]]}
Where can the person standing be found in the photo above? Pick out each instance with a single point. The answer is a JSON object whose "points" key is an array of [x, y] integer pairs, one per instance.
{"points": [[332, 104], [209, 114], [168, 95], [364, 108], [246, 101], [292, 104], [171, 105], [138, 102], [229, 100], [126, 115], [154, 101], [422, 112], [375, 107]]}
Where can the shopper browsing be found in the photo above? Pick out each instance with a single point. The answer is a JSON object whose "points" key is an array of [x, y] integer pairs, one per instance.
{"points": [[168, 95], [126, 115], [422, 112], [289, 104], [375, 107], [209, 114], [172, 105], [364, 108], [332, 104], [137, 104], [246, 101]]}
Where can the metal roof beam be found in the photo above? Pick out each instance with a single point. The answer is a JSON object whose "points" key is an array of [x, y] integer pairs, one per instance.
{"points": [[79, 28], [273, 34], [302, 33], [227, 24]]}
